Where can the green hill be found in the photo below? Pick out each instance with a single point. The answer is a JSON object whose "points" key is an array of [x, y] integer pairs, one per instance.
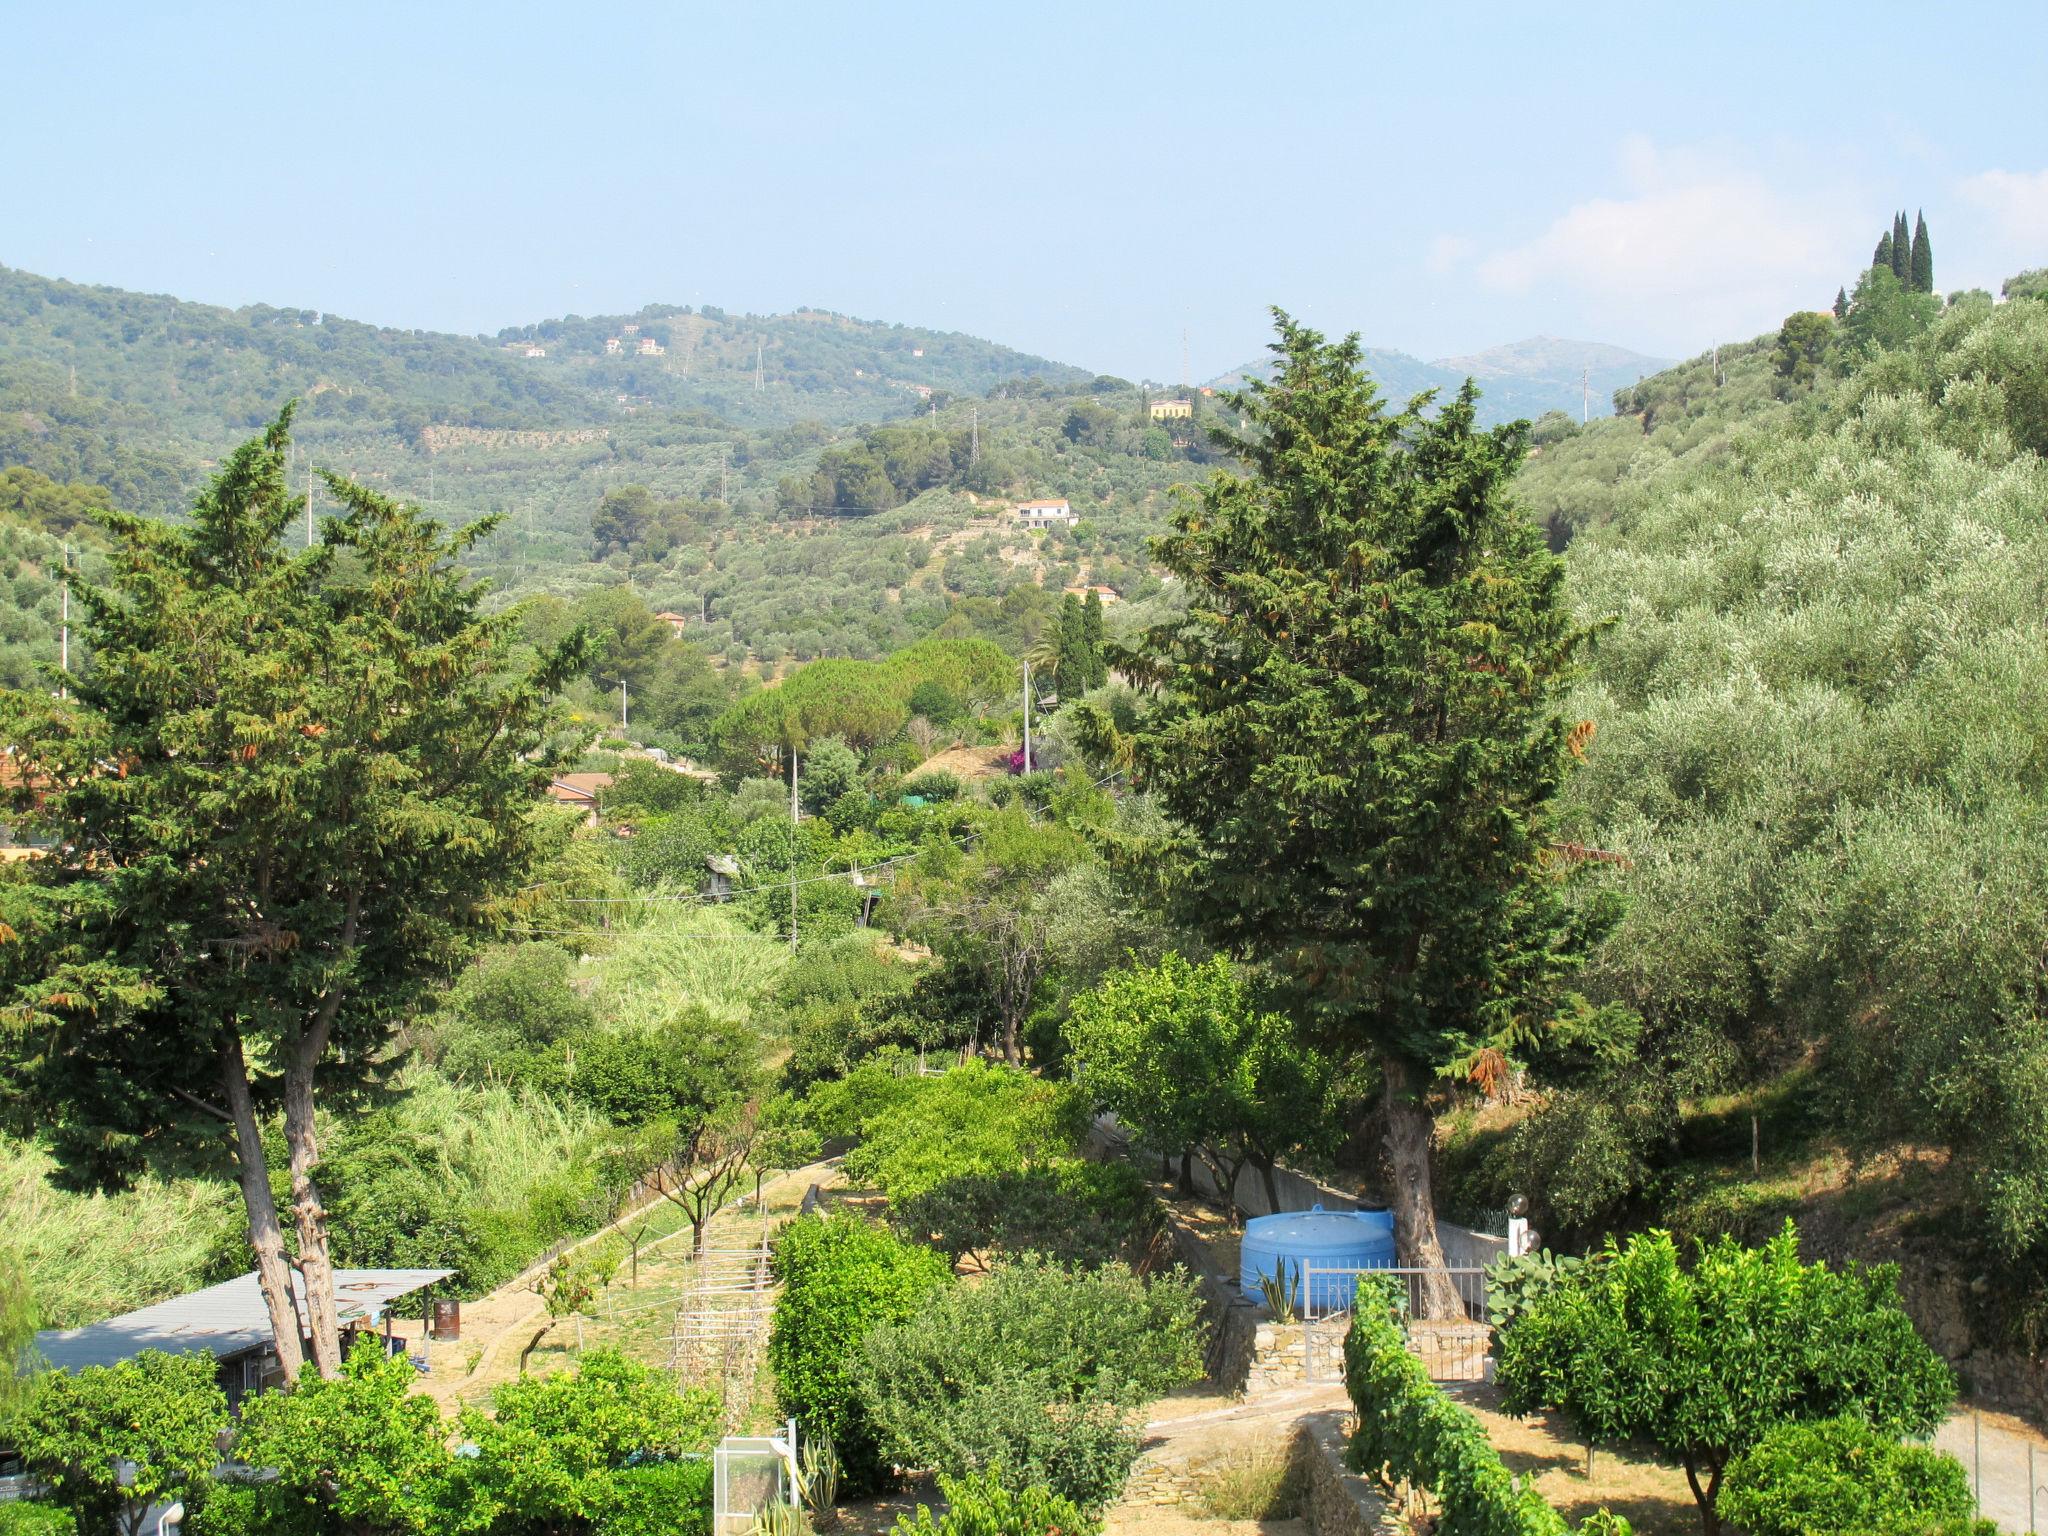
{"points": [[211, 373]]}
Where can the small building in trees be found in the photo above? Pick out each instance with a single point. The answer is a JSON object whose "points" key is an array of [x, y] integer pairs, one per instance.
{"points": [[1047, 512], [230, 1322], [613, 346], [1178, 408], [579, 791], [722, 869], [673, 620], [649, 347]]}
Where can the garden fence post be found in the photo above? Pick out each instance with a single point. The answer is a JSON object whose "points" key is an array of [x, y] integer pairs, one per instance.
{"points": [[1977, 1454]]}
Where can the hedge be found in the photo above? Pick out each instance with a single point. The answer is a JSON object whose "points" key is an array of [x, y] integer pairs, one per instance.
{"points": [[1410, 1431]]}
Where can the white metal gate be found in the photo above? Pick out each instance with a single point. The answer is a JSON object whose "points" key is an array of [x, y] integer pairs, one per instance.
{"points": [[1453, 1348]]}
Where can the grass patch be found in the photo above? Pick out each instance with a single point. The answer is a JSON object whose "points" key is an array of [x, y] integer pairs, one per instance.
{"points": [[1267, 1481]]}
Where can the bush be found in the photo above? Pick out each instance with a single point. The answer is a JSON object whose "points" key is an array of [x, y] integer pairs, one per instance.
{"points": [[557, 1445], [1068, 1210], [1409, 1431], [841, 1276], [1704, 1363], [933, 787], [1840, 1477], [29, 1519], [975, 1118], [982, 1506], [659, 1498], [1032, 1375]]}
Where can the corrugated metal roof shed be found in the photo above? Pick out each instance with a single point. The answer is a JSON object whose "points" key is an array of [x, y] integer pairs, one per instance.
{"points": [[222, 1320]]}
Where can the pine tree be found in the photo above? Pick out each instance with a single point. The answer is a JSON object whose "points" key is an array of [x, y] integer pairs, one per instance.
{"points": [[1882, 256], [1902, 249], [1091, 632], [1841, 303], [1922, 260], [1358, 726], [327, 768]]}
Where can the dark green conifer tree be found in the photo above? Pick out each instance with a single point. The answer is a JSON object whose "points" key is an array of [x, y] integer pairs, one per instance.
{"points": [[1091, 633], [1359, 728], [1075, 670], [1882, 256], [1841, 303], [1921, 262], [1902, 249]]}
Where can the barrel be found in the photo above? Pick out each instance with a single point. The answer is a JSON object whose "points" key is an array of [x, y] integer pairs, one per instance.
{"points": [[447, 1320]]}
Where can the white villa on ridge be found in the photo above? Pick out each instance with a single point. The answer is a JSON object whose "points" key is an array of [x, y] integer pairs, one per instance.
{"points": [[1047, 512]]}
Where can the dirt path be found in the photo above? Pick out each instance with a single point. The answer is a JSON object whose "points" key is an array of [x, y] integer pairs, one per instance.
{"points": [[633, 1316], [1994, 1446]]}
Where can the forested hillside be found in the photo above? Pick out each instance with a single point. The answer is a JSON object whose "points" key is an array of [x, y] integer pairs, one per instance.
{"points": [[1817, 780]]}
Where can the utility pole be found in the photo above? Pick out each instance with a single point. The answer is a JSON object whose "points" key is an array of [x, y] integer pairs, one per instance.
{"points": [[723, 450], [309, 501], [757, 365], [622, 706], [974, 437], [1027, 716], [793, 818], [1585, 395]]}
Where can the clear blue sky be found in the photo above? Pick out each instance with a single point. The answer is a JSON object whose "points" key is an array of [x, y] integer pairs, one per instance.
{"points": [[1081, 180]]}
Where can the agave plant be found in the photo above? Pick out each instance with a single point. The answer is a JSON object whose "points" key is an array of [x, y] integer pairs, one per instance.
{"points": [[781, 1518], [1278, 1291], [818, 1481]]}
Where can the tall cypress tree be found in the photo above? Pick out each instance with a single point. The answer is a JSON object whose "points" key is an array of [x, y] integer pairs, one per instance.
{"points": [[1076, 671], [1882, 256], [1841, 303], [1922, 260], [1091, 632], [1902, 249]]}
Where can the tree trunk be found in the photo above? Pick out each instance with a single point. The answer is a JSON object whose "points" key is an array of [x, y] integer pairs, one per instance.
{"points": [[1410, 1131], [1187, 1174], [1265, 1167], [266, 1232], [316, 1264], [1708, 1498]]}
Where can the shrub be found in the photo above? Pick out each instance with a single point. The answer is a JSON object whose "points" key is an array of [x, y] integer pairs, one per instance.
{"points": [[841, 1276], [982, 1506], [29, 1519], [364, 1450], [1840, 1477], [1705, 1363], [557, 1444], [111, 1440], [1031, 1376], [1409, 1431], [976, 1118], [1068, 1210], [658, 1498]]}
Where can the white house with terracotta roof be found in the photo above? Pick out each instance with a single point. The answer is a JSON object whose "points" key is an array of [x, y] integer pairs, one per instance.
{"points": [[1047, 512]]}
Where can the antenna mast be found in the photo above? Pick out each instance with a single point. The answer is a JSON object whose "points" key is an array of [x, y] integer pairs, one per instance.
{"points": [[64, 633], [1585, 395]]}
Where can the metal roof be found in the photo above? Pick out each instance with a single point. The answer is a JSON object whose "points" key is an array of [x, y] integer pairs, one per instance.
{"points": [[222, 1320]]}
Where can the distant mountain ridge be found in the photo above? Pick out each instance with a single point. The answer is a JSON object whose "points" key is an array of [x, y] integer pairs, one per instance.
{"points": [[213, 373], [1516, 379]]}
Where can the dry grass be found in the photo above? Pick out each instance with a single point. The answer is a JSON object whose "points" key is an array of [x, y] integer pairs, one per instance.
{"points": [[1650, 1493], [1263, 1481]]}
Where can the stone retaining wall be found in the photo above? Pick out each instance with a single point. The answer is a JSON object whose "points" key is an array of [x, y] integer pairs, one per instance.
{"points": [[1340, 1502], [1279, 1358]]}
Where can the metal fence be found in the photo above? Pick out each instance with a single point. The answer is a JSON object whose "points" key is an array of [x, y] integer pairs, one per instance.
{"points": [[1445, 1311], [2008, 1472]]}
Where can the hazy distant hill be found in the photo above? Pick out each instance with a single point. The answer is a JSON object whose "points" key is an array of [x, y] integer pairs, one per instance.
{"points": [[212, 373], [1521, 378]]}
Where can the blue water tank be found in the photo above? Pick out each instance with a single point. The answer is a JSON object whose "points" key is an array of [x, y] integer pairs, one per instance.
{"points": [[1345, 1240]]}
